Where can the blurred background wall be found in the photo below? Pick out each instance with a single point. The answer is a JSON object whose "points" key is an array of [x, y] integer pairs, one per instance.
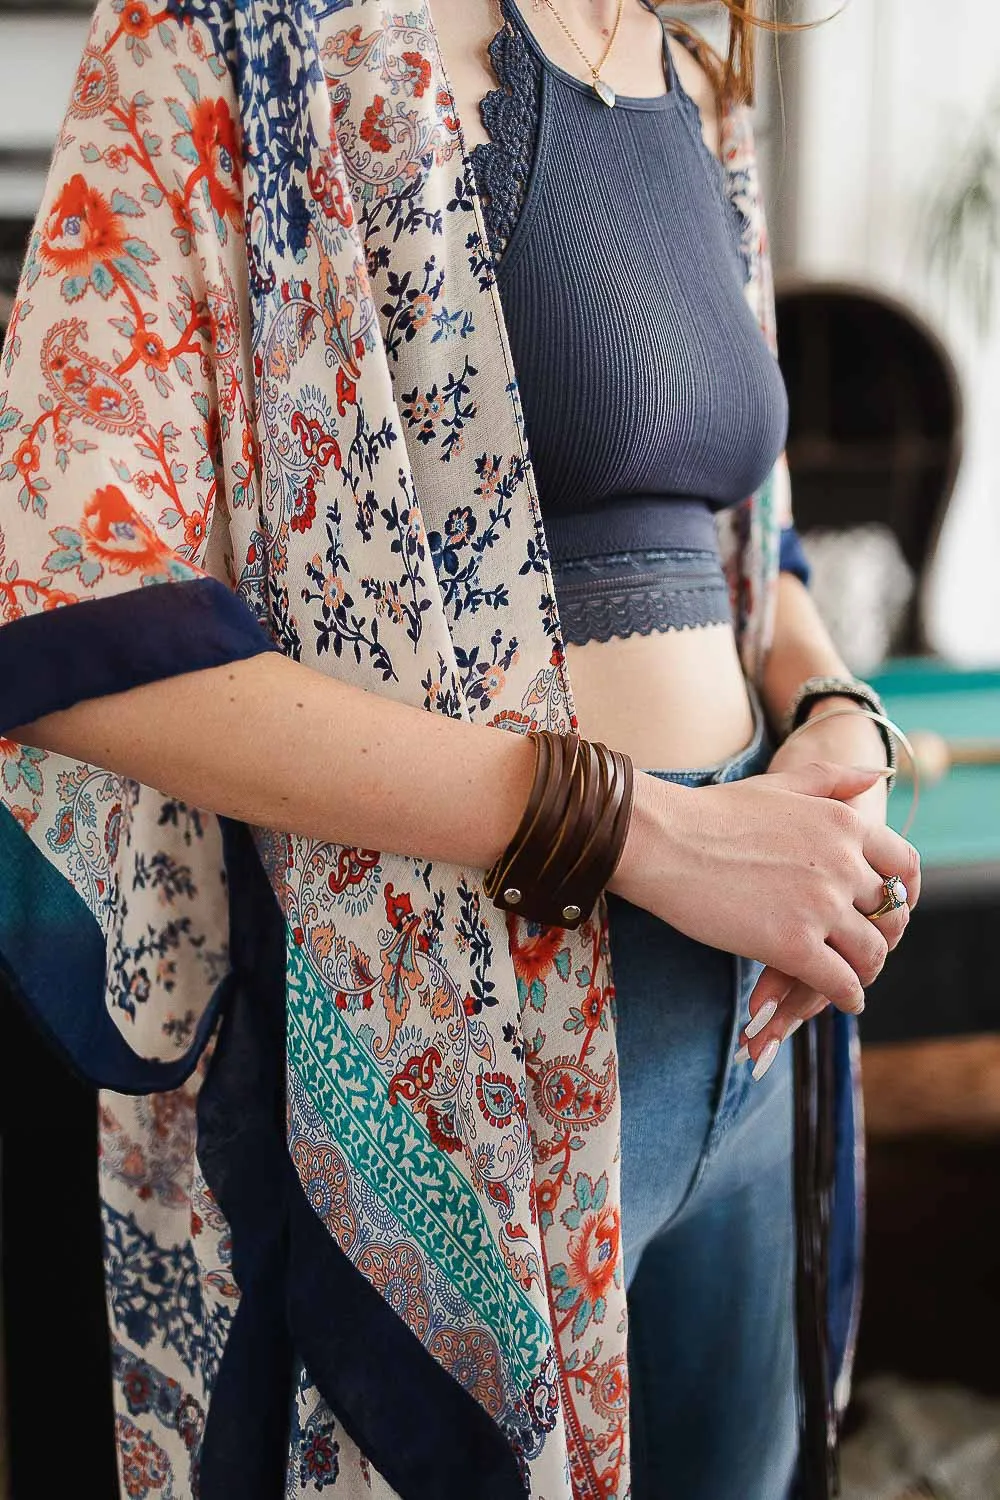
{"points": [[880, 107], [40, 47]]}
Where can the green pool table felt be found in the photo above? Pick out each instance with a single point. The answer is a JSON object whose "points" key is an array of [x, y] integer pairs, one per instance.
{"points": [[958, 818]]}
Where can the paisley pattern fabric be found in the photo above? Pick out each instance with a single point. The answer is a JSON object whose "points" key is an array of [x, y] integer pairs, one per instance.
{"points": [[258, 396]]}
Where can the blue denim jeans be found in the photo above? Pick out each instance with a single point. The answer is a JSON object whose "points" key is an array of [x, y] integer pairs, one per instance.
{"points": [[707, 1213]]}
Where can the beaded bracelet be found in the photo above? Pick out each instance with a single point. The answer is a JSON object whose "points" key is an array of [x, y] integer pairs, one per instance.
{"points": [[815, 688]]}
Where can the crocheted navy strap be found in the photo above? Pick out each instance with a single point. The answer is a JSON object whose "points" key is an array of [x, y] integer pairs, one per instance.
{"points": [[510, 113]]}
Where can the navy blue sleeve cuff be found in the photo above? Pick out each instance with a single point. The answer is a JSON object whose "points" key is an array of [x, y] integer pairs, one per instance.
{"points": [[792, 558], [53, 660]]}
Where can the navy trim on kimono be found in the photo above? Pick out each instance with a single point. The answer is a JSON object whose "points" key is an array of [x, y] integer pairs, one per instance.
{"points": [[52, 947], [792, 557], [54, 660]]}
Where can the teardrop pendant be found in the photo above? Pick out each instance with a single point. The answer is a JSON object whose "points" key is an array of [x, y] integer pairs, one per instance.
{"points": [[604, 92]]}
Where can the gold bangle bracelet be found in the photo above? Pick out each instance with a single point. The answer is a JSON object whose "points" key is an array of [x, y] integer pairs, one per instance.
{"points": [[891, 728]]}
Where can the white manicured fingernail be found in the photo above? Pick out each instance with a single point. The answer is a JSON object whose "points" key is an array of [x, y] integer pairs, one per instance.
{"points": [[793, 1028], [885, 771], [765, 1059], [742, 1056], [760, 1020]]}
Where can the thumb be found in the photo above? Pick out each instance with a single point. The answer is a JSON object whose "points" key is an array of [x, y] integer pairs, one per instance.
{"points": [[826, 778]]}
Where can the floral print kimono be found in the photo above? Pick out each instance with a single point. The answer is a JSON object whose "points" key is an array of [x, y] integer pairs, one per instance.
{"points": [[360, 1148]]}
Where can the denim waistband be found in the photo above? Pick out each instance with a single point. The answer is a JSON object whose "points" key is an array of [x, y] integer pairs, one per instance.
{"points": [[750, 761]]}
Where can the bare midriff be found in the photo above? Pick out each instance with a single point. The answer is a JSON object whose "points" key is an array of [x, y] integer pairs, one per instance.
{"points": [[672, 700]]}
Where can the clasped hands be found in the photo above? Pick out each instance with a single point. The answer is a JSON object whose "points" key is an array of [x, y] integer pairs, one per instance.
{"points": [[779, 1004]]}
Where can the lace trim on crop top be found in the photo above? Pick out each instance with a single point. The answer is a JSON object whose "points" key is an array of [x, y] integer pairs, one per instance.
{"points": [[639, 592], [510, 113]]}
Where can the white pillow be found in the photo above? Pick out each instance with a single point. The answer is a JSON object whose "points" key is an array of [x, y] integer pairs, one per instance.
{"points": [[862, 586]]}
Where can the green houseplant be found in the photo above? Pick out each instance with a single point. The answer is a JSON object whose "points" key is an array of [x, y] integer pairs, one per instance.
{"points": [[963, 222]]}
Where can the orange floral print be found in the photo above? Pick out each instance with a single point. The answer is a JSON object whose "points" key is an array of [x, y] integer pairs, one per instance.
{"points": [[375, 125], [115, 534], [533, 949], [593, 1252], [81, 231], [136, 19], [150, 349], [215, 140], [27, 458], [419, 71], [195, 531]]}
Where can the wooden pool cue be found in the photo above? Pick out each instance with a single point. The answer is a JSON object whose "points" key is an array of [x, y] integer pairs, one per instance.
{"points": [[936, 755]]}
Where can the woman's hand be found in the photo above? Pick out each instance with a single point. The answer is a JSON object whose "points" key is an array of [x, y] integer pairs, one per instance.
{"points": [[849, 739], [779, 1004], [777, 867]]}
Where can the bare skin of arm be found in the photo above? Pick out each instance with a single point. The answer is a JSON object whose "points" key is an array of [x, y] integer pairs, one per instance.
{"points": [[279, 745], [771, 867], [802, 648]]}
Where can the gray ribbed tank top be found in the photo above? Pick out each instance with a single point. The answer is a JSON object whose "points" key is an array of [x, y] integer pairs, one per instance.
{"points": [[650, 396]]}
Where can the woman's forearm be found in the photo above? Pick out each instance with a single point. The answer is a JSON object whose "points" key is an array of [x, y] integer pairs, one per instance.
{"points": [[763, 867], [801, 648], [276, 744]]}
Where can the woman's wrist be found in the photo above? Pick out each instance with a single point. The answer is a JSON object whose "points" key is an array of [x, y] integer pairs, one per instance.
{"points": [[847, 738], [820, 689], [639, 839], [571, 834], [839, 696], [657, 806], [852, 732]]}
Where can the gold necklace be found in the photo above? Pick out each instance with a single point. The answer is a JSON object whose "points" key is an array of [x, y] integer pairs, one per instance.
{"points": [[603, 90]]}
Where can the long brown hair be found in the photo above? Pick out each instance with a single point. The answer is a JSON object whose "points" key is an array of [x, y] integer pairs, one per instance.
{"points": [[733, 75]]}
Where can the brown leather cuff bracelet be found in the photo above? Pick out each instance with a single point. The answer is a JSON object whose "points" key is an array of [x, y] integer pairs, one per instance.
{"points": [[571, 834]]}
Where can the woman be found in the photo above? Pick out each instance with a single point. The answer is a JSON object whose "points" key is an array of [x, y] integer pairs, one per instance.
{"points": [[275, 355]]}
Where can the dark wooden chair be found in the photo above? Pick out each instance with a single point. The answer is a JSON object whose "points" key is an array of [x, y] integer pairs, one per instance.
{"points": [[875, 420]]}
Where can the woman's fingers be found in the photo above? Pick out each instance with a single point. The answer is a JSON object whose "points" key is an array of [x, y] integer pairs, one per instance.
{"points": [[769, 997], [759, 1041], [779, 1004], [890, 924], [826, 970], [862, 943], [771, 988], [888, 854], [763, 870], [828, 947], [893, 925]]}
